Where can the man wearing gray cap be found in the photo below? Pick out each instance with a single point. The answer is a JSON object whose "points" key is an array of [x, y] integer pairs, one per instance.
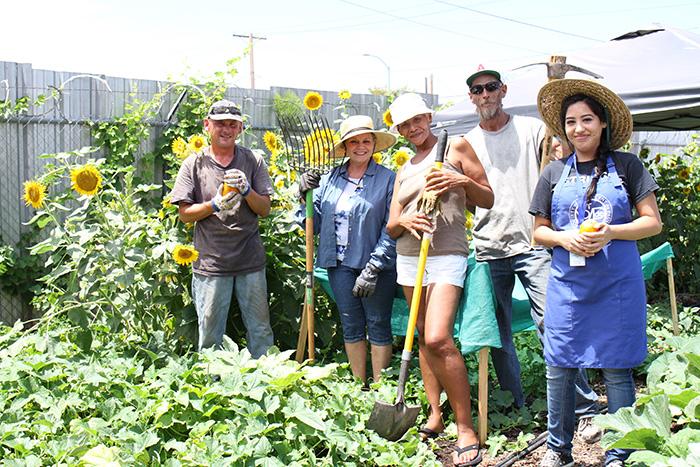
{"points": [[509, 148], [223, 189]]}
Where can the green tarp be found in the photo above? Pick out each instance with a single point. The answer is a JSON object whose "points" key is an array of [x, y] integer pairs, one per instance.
{"points": [[475, 323]]}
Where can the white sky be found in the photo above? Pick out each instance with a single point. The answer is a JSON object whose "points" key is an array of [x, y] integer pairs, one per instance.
{"points": [[320, 44]]}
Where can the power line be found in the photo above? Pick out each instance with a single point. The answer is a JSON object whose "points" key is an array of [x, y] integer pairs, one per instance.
{"points": [[473, 10], [478, 38]]}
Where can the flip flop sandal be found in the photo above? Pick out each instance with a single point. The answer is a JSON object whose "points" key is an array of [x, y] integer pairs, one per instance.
{"points": [[426, 433], [472, 462]]}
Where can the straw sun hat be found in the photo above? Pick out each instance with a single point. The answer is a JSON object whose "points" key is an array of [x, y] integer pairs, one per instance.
{"points": [[552, 95], [358, 125]]}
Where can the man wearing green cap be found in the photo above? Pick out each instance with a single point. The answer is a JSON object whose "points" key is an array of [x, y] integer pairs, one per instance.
{"points": [[510, 148]]}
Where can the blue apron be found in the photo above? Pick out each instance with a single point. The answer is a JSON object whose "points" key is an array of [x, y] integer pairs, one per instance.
{"points": [[595, 315]]}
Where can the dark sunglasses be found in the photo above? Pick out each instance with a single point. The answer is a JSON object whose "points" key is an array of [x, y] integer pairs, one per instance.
{"points": [[491, 86], [224, 109]]}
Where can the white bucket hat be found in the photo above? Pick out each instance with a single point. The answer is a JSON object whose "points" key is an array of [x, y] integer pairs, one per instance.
{"points": [[358, 125], [405, 107]]}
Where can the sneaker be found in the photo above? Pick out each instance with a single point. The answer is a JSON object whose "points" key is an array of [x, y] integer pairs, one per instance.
{"points": [[589, 431], [615, 463], [556, 459]]}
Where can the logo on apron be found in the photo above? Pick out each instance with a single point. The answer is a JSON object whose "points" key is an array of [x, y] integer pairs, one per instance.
{"points": [[600, 210]]}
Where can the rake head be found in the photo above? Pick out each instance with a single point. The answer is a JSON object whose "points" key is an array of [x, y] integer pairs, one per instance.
{"points": [[309, 141]]}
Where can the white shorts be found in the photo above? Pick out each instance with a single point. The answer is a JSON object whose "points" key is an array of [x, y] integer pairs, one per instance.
{"points": [[445, 269]]}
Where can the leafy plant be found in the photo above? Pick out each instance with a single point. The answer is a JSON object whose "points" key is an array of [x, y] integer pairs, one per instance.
{"points": [[664, 426], [136, 402]]}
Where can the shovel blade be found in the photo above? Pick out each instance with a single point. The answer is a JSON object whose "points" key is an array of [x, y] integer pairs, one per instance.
{"points": [[392, 421]]}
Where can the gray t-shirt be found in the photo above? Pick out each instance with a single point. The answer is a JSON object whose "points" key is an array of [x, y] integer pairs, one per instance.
{"points": [[228, 243], [637, 181], [510, 157]]}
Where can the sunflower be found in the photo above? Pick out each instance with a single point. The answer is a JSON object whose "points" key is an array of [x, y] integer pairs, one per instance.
{"points": [[166, 204], [386, 116], [684, 173], [196, 143], [344, 95], [377, 156], [34, 193], [86, 180], [318, 144], [400, 157], [279, 184], [697, 187], [657, 159], [271, 142], [179, 147], [686, 191], [313, 100], [185, 255]]}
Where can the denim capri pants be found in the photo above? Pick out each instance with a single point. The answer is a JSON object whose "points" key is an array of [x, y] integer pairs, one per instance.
{"points": [[367, 318]]}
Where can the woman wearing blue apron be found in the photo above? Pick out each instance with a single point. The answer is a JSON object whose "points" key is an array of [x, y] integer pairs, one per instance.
{"points": [[595, 314]]}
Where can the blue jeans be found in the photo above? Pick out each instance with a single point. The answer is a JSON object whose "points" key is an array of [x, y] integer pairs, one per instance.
{"points": [[367, 318], [212, 299], [532, 269], [561, 394]]}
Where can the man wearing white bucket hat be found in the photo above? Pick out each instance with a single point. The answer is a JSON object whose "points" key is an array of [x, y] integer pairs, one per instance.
{"points": [[509, 146], [351, 209], [459, 183]]}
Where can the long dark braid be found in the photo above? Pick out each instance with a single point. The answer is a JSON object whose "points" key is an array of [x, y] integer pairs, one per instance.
{"points": [[603, 147]]}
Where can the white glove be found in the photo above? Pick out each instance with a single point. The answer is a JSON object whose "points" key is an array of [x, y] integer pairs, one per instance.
{"points": [[222, 202], [237, 179]]}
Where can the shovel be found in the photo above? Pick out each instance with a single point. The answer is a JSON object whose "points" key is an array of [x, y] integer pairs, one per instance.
{"points": [[393, 421]]}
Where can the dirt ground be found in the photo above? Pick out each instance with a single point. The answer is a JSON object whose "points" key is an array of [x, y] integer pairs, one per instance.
{"points": [[585, 455]]}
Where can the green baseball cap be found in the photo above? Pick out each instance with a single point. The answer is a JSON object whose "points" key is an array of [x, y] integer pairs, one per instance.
{"points": [[482, 71]]}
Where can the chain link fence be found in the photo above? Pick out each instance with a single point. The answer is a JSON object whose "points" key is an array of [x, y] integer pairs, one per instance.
{"points": [[48, 112]]}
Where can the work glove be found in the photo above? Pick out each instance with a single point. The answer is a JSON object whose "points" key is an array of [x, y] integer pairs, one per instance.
{"points": [[237, 179], [308, 181], [366, 282], [222, 202]]}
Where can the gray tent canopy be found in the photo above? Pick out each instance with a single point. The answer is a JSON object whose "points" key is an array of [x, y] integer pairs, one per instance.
{"points": [[655, 71]]}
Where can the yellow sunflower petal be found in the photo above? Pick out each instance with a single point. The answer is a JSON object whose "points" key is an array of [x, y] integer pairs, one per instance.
{"points": [[313, 100], [344, 94], [185, 255], [271, 142], [34, 193], [400, 157], [179, 148], [377, 156], [86, 179], [317, 146], [196, 143], [387, 118]]}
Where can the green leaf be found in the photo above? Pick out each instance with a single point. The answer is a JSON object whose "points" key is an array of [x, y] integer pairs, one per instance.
{"points": [[641, 438]]}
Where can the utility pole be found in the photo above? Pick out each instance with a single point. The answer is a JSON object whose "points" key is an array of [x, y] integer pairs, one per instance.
{"points": [[250, 37]]}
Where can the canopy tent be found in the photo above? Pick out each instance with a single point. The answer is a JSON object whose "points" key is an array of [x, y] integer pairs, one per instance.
{"points": [[655, 71]]}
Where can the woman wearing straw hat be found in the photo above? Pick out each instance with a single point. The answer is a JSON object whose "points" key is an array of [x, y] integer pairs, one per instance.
{"points": [[595, 314], [461, 182], [351, 209]]}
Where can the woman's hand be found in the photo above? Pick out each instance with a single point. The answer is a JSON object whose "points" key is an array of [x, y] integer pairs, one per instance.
{"points": [[574, 242], [439, 181], [416, 224], [595, 241]]}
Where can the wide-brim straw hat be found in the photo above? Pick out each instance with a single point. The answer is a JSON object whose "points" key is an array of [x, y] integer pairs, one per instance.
{"points": [[405, 107], [358, 125], [552, 94]]}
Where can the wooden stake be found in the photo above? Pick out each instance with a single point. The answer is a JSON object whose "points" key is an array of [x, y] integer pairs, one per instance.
{"points": [[482, 424], [672, 296]]}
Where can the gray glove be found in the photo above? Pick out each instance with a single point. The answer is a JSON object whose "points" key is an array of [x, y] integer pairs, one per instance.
{"points": [[222, 202], [367, 281], [308, 181], [237, 179]]}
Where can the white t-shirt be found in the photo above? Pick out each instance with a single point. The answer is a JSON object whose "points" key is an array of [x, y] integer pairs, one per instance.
{"points": [[510, 157], [342, 215]]}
